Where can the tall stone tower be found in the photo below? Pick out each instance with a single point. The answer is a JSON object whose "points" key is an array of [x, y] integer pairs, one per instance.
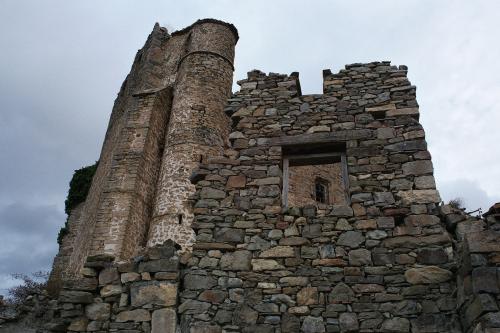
{"points": [[198, 127], [168, 115]]}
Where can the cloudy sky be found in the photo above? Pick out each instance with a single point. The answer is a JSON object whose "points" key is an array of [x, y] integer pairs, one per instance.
{"points": [[62, 63]]}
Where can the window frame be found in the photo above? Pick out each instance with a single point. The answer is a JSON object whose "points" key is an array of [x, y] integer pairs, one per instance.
{"points": [[302, 159]]}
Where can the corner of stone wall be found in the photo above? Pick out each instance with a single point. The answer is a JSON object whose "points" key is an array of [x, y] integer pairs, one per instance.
{"points": [[139, 295], [478, 275]]}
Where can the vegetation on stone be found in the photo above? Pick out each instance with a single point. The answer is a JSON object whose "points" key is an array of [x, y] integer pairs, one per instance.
{"points": [[79, 187]]}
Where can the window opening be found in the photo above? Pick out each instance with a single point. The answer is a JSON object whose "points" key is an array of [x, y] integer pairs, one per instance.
{"points": [[315, 175], [321, 190]]}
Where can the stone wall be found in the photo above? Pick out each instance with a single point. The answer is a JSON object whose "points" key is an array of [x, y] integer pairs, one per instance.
{"points": [[366, 267], [138, 295], [478, 274]]}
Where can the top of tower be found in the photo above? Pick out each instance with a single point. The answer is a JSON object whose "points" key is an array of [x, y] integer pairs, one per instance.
{"points": [[209, 20]]}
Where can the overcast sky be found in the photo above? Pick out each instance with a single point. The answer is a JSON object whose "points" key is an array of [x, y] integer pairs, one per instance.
{"points": [[62, 64]]}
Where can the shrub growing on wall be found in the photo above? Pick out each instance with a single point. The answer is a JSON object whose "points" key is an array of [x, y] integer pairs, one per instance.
{"points": [[78, 189]]}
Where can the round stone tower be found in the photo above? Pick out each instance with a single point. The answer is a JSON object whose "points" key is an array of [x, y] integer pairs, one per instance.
{"points": [[197, 127]]}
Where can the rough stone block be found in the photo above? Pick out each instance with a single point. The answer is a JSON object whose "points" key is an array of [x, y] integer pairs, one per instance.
{"points": [[313, 325], [111, 290], [98, 311], [159, 265], [307, 296], [351, 238], [427, 275], [265, 265], [164, 321], [83, 297], [278, 252], [419, 196], [108, 276], [137, 315], [348, 322], [236, 261], [432, 256], [191, 306], [360, 257], [485, 279], [155, 293], [234, 182]]}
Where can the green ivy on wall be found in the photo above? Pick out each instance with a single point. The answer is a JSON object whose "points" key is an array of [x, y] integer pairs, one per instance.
{"points": [[78, 189]]}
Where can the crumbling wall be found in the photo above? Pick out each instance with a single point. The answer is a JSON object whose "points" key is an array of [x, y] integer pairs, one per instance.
{"points": [[478, 274], [138, 295]]}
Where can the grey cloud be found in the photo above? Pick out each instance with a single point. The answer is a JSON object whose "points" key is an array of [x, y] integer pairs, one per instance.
{"points": [[28, 237]]}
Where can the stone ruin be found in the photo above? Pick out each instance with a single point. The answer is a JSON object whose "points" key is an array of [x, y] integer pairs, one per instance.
{"points": [[268, 210]]}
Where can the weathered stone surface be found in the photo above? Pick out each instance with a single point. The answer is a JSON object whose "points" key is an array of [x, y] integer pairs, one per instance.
{"points": [[265, 265], [396, 325], [341, 211], [341, 293], [427, 274], [78, 324], [422, 220], [383, 198], [108, 276], [432, 256], [236, 261], [137, 315], [111, 290], [351, 238], [483, 241], [307, 296], [348, 322], [360, 257], [290, 323], [419, 196], [163, 321], [212, 193], [485, 279], [294, 280], [213, 296], [160, 265], [414, 242], [236, 182], [278, 252], [196, 282], [417, 168], [156, 293], [130, 277], [313, 325], [205, 328], [482, 303], [83, 297], [244, 315], [98, 311], [230, 235], [191, 306]]}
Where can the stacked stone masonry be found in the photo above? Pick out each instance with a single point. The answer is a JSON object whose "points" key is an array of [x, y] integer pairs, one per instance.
{"points": [[204, 196]]}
